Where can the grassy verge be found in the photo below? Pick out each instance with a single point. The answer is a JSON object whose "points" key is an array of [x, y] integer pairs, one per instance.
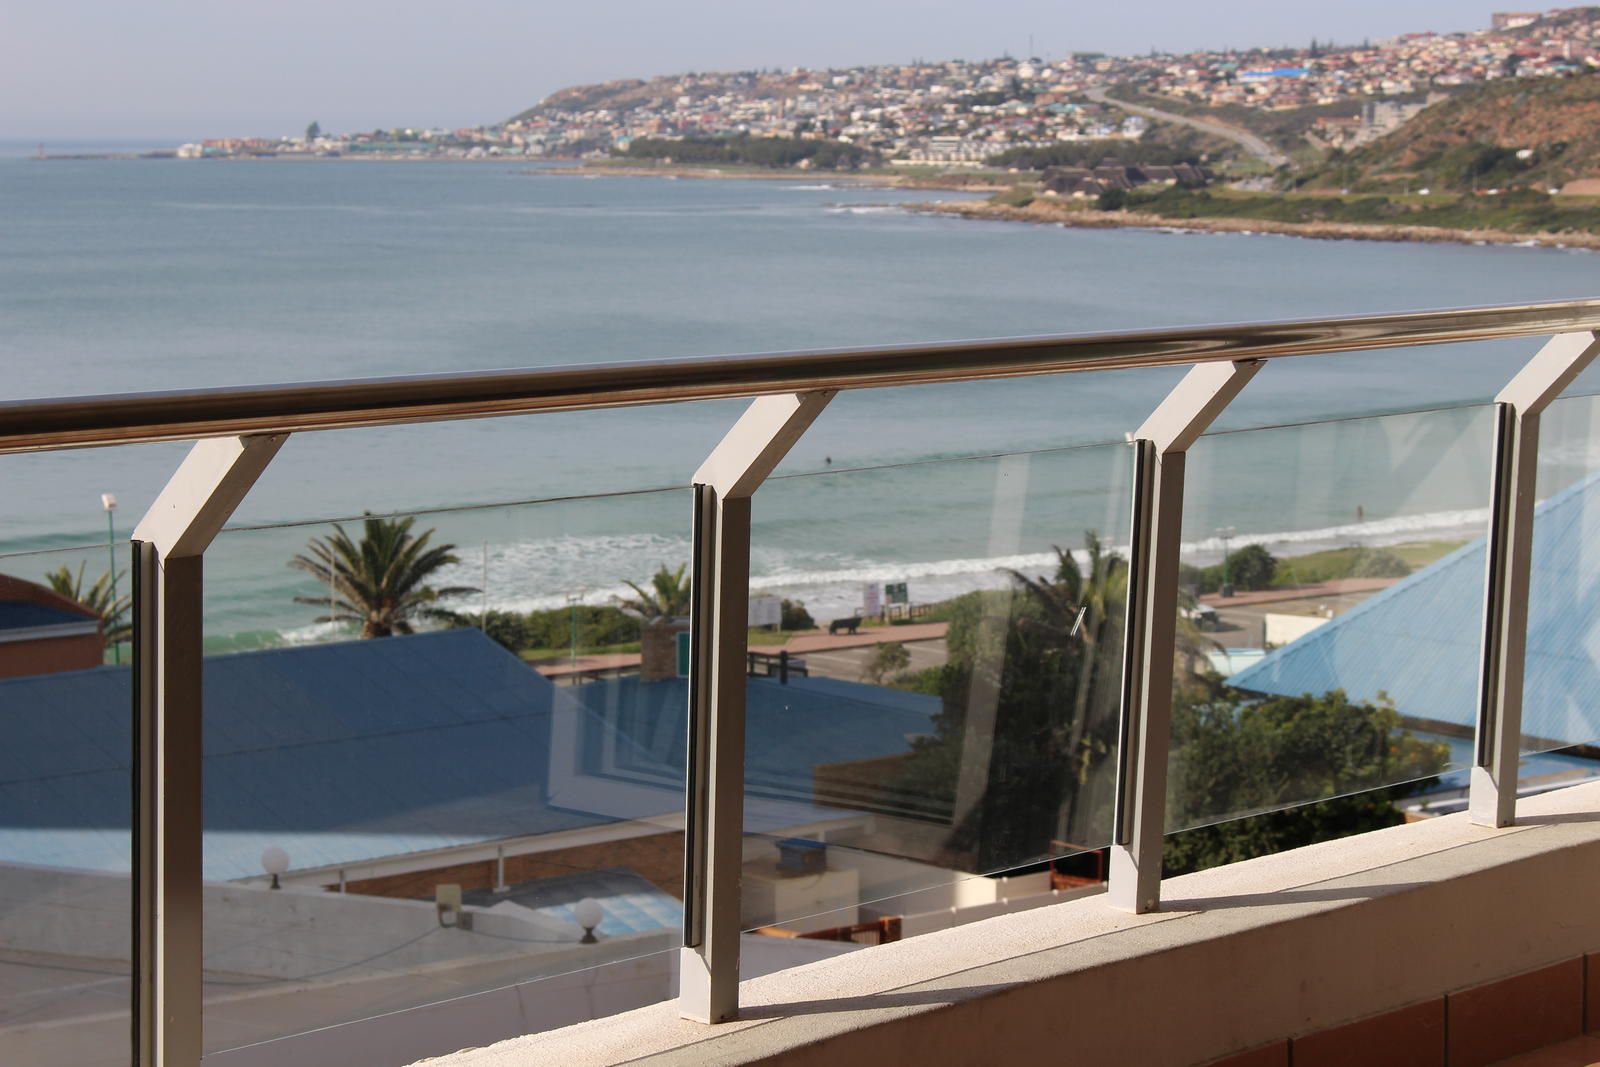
{"points": [[1352, 562], [1524, 211]]}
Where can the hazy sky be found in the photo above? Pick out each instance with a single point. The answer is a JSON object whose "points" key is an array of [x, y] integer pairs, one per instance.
{"points": [[182, 69]]}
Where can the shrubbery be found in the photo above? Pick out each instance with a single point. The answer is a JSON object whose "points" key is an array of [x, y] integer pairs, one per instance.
{"points": [[796, 617], [1250, 567], [754, 151], [598, 626]]}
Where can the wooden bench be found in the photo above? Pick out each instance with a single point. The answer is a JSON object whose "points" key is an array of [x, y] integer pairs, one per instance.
{"points": [[849, 624]]}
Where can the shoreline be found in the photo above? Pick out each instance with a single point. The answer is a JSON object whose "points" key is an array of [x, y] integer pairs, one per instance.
{"points": [[1089, 219], [1045, 212], [873, 180]]}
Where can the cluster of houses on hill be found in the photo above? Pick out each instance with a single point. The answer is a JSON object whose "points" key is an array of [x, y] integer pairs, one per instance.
{"points": [[962, 113], [1111, 174]]}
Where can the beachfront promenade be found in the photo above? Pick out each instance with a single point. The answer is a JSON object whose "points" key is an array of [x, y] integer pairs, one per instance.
{"points": [[829, 656], [845, 656]]}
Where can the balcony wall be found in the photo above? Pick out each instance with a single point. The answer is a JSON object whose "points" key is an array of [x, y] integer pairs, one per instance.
{"points": [[1488, 929]]}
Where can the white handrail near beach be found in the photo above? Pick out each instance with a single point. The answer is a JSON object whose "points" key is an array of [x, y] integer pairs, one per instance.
{"points": [[240, 430]]}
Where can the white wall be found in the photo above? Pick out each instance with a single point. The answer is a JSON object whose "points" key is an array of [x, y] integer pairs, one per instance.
{"points": [[267, 933], [1282, 629], [322, 967]]}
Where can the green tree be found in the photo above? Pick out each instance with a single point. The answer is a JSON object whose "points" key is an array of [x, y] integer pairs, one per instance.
{"points": [[888, 657], [1112, 199], [1095, 602], [115, 626], [1236, 758], [1048, 654], [1251, 567], [380, 582], [599, 626], [313, 131], [667, 597], [796, 617]]}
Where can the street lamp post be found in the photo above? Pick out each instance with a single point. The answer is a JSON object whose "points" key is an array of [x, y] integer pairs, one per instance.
{"points": [[1226, 533], [589, 915], [109, 502], [573, 600]]}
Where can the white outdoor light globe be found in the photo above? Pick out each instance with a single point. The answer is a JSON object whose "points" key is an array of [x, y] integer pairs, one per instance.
{"points": [[274, 860], [108, 501], [588, 913]]}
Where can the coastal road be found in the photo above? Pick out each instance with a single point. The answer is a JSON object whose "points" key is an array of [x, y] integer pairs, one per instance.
{"points": [[1248, 141]]}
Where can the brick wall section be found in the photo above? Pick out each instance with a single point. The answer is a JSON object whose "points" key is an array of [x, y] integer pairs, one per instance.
{"points": [[49, 654], [657, 858], [1471, 1027], [658, 648]]}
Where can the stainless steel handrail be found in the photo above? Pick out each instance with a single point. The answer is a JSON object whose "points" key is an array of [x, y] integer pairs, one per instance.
{"points": [[77, 422]]}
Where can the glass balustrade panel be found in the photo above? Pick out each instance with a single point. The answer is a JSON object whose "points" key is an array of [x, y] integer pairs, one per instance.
{"points": [[933, 683], [444, 767], [1330, 616], [66, 773]]}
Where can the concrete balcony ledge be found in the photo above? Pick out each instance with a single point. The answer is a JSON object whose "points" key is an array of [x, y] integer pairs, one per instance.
{"points": [[1244, 957]]}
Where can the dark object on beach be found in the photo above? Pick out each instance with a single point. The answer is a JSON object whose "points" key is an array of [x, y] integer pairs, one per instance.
{"points": [[828, 460], [844, 624]]}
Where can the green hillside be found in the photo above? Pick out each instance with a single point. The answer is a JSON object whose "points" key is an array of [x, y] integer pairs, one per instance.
{"points": [[1530, 133]]}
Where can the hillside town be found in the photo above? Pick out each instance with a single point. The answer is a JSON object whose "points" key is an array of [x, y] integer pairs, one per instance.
{"points": [[964, 113]]}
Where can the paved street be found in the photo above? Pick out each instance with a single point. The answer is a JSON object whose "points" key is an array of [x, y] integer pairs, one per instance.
{"points": [[1241, 619], [1243, 138]]}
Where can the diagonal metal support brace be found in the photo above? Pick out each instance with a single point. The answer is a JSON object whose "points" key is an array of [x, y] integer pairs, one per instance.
{"points": [[1144, 732], [708, 975], [1492, 799], [168, 549]]}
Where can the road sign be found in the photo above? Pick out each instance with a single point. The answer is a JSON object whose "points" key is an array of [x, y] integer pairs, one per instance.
{"points": [[766, 611]]}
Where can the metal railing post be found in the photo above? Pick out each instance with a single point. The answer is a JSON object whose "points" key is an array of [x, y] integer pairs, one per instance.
{"points": [[168, 610], [1492, 797], [1160, 449], [708, 975]]}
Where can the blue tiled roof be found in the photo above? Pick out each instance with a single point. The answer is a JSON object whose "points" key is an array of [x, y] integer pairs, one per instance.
{"points": [[1418, 641], [348, 752], [789, 729], [26, 614]]}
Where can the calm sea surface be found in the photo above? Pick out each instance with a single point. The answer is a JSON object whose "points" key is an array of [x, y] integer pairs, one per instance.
{"points": [[163, 275]]}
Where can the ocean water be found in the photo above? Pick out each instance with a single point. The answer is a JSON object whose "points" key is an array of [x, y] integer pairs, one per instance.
{"points": [[141, 275]]}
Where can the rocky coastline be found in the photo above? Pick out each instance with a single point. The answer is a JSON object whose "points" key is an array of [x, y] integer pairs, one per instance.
{"points": [[1061, 214]]}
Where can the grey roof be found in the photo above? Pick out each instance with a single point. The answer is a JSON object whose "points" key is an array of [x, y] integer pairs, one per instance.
{"points": [[1418, 640], [347, 752]]}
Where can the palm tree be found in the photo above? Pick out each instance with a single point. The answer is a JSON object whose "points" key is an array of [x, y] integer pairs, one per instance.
{"points": [[667, 597], [380, 582], [98, 598], [1086, 609]]}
